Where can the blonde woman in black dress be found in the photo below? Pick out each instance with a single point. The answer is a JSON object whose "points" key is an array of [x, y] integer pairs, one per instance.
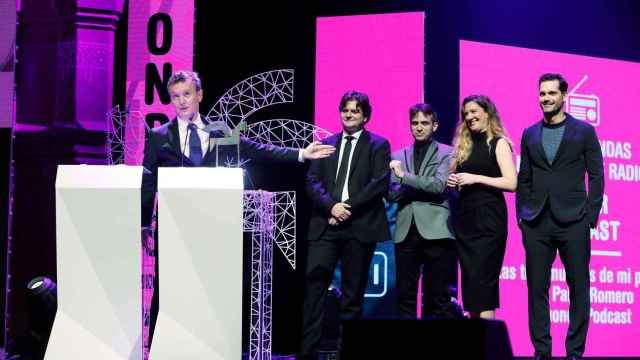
{"points": [[482, 169]]}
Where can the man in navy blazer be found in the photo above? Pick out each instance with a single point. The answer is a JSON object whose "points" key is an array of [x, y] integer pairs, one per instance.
{"points": [[348, 217], [556, 211]]}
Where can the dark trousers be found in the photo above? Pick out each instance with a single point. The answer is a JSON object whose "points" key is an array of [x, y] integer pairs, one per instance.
{"points": [[337, 243], [438, 261], [542, 237]]}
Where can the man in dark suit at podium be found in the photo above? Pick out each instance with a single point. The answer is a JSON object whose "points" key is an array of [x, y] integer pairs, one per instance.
{"points": [[555, 212], [185, 141], [348, 217]]}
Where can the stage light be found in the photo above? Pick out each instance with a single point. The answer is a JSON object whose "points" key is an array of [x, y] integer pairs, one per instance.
{"points": [[42, 304], [41, 300]]}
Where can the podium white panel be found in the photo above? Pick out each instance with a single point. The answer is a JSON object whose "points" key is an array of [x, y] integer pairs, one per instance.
{"points": [[200, 264], [98, 264]]}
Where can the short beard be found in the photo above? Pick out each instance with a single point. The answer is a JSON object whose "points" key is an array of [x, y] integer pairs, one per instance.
{"points": [[553, 112]]}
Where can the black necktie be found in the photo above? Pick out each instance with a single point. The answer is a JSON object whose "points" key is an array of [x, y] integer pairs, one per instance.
{"points": [[342, 171], [195, 148]]}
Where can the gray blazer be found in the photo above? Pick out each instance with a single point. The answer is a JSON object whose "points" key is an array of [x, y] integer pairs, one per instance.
{"points": [[422, 194]]}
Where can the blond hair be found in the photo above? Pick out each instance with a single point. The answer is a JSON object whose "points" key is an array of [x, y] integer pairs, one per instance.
{"points": [[462, 142], [183, 76]]}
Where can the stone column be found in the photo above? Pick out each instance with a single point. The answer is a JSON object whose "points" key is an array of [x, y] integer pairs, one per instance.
{"points": [[66, 62]]}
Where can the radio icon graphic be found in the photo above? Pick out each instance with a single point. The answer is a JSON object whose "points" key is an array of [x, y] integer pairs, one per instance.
{"points": [[582, 106]]}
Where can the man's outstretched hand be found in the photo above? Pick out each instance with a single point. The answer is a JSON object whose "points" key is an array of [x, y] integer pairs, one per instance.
{"points": [[317, 150]]}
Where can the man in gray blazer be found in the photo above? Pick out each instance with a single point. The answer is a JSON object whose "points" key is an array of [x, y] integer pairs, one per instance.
{"points": [[423, 236]]}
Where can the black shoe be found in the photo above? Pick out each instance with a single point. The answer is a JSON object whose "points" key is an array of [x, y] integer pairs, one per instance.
{"points": [[328, 355], [573, 357], [541, 357]]}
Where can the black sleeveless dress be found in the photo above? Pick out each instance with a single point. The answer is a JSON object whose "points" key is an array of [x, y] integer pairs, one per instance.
{"points": [[481, 228]]}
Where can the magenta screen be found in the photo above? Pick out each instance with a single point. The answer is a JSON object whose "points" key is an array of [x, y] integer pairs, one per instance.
{"points": [[380, 55], [604, 93]]}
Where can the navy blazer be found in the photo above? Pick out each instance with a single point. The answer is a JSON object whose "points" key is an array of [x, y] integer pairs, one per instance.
{"points": [[368, 182], [561, 183], [162, 149]]}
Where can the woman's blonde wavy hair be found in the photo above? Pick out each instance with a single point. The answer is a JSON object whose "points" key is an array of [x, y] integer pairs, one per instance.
{"points": [[462, 143]]}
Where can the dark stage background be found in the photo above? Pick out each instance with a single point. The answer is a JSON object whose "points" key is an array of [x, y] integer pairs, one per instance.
{"points": [[239, 39]]}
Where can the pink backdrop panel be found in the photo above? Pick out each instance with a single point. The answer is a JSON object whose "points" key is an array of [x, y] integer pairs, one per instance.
{"points": [[380, 55], [179, 56]]}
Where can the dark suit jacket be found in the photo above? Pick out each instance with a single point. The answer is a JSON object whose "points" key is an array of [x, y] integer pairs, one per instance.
{"points": [[368, 182], [562, 183], [162, 149]]}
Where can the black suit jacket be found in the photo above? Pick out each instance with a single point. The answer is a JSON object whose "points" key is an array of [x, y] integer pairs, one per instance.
{"points": [[368, 183], [162, 149], [562, 183]]}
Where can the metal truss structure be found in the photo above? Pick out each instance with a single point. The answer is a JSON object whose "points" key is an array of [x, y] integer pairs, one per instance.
{"points": [[276, 216], [284, 231], [119, 123], [253, 94], [285, 132], [268, 217]]}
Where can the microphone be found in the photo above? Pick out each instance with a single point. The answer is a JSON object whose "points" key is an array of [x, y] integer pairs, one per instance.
{"points": [[184, 147]]}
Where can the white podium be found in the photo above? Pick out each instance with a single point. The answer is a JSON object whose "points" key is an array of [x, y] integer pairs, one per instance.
{"points": [[98, 264], [200, 264]]}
